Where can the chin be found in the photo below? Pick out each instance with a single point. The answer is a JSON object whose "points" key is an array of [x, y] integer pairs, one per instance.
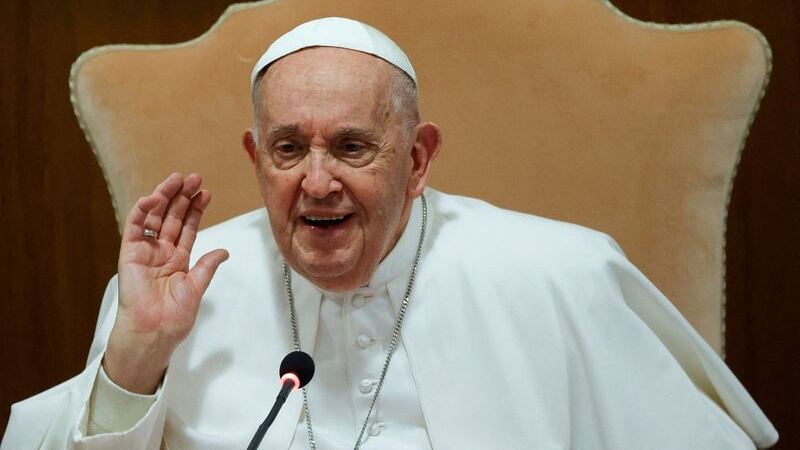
{"points": [[337, 284], [331, 276]]}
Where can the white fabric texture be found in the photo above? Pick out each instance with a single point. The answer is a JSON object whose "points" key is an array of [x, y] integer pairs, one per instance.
{"points": [[113, 409], [353, 336], [352, 340], [335, 32], [354, 333], [522, 333]]}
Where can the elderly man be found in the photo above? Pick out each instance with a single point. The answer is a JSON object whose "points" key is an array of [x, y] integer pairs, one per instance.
{"points": [[435, 321]]}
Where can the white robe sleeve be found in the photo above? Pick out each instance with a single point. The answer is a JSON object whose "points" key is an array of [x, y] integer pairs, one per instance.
{"points": [[113, 409], [57, 418], [721, 399]]}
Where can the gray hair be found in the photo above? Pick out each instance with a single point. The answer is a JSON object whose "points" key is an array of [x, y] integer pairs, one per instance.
{"points": [[404, 102]]}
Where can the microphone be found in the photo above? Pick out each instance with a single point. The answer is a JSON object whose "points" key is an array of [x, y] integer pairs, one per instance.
{"points": [[297, 369]]}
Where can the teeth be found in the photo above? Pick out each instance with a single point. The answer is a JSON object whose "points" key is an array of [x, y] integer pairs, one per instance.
{"points": [[316, 218]]}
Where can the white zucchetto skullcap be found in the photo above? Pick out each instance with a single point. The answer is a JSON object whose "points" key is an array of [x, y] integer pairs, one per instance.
{"points": [[335, 32]]}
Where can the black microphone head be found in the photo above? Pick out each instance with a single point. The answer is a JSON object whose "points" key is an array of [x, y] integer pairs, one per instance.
{"points": [[300, 364]]}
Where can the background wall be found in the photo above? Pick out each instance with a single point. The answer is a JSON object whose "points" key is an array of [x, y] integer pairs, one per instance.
{"points": [[59, 240]]}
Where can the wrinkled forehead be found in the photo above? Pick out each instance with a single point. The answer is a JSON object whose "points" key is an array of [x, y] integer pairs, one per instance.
{"points": [[326, 84], [329, 68]]}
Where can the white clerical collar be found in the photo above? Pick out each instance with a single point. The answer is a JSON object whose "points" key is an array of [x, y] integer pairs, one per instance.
{"points": [[402, 255]]}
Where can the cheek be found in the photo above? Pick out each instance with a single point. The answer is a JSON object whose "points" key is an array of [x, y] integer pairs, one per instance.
{"points": [[278, 189], [387, 197]]}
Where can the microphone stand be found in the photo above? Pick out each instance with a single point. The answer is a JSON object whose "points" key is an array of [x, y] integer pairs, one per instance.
{"points": [[288, 385]]}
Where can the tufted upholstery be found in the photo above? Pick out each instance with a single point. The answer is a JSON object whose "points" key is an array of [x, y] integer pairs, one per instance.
{"points": [[561, 108]]}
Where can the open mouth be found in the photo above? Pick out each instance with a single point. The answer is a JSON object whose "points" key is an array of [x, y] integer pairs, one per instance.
{"points": [[325, 221]]}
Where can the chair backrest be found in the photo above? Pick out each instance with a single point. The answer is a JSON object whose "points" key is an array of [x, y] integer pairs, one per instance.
{"points": [[561, 108]]}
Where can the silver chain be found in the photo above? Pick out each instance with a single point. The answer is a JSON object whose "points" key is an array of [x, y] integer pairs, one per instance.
{"points": [[287, 280]]}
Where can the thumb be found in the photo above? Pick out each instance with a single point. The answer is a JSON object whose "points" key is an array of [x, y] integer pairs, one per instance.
{"points": [[206, 266]]}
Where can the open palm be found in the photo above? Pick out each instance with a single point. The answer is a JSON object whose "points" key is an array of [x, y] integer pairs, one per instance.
{"points": [[159, 294]]}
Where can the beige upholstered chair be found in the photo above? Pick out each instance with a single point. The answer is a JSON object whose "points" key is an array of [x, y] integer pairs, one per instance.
{"points": [[562, 108]]}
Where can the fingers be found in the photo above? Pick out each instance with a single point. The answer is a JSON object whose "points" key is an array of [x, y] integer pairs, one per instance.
{"points": [[164, 193], [134, 224], [206, 267], [176, 209], [163, 211], [191, 222]]}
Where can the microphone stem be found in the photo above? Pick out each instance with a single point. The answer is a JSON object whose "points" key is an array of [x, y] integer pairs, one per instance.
{"points": [[287, 387]]}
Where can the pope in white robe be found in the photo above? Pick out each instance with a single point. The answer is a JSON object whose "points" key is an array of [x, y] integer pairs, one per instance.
{"points": [[520, 333]]}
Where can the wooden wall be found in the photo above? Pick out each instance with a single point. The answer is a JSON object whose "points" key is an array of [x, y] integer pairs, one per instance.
{"points": [[59, 240]]}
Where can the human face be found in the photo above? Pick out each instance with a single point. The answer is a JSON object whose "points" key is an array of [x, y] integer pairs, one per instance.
{"points": [[333, 164]]}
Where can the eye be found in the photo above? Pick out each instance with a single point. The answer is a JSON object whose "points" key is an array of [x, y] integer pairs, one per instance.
{"points": [[286, 153], [286, 148], [352, 147], [355, 152]]}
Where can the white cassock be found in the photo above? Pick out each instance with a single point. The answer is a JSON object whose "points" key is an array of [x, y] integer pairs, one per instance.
{"points": [[522, 333]]}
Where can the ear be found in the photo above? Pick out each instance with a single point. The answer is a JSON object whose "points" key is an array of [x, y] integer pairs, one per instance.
{"points": [[249, 144], [427, 143]]}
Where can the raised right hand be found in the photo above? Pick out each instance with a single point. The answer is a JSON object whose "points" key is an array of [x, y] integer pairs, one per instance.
{"points": [[159, 295]]}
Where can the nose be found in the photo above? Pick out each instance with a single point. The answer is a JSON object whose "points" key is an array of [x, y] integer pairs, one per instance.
{"points": [[319, 180]]}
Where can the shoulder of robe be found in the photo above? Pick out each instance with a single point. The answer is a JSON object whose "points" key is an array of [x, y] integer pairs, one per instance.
{"points": [[466, 229], [244, 236], [245, 230], [248, 240]]}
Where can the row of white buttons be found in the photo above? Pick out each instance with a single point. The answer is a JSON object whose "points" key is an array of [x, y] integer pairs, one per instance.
{"points": [[367, 385]]}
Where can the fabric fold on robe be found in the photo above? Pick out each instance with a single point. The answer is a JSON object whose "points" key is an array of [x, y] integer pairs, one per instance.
{"points": [[523, 332]]}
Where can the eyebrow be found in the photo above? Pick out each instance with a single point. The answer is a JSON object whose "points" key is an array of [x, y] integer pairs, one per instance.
{"points": [[345, 132], [359, 133], [282, 130]]}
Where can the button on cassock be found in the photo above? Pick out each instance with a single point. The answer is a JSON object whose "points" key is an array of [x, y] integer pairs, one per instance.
{"points": [[358, 301], [366, 386], [364, 341], [375, 429]]}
